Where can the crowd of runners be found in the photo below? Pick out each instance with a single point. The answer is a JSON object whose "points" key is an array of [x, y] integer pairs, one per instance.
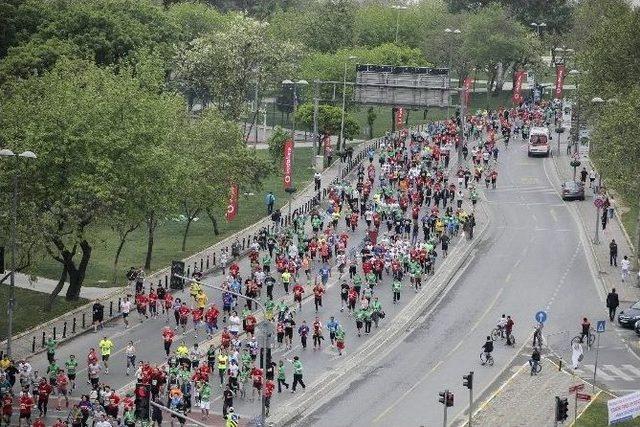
{"points": [[375, 237]]}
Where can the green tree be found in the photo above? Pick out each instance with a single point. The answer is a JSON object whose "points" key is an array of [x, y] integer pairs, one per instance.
{"points": [[91, 129], [214, 156], [276, 144], [329, 121], [224, 66]]}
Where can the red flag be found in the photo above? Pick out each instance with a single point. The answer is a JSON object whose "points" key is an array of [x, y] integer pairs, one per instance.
{"points": [[232, 207], [517, 87], [399, 117], [561, 72], [467, 85], [288, 162]]}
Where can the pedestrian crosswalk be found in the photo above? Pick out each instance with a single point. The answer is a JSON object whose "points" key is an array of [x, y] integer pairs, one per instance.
{"points": [[608, 372]]}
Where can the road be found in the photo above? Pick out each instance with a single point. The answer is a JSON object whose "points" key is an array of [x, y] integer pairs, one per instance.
{"points": [[533, 259]]}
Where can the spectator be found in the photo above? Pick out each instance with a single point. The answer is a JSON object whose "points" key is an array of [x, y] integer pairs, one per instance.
{"points": [[613, 253], [625, 264], [270, 200]]}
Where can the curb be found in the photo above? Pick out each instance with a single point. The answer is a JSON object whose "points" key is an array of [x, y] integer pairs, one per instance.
{"points": [[335, 382]]}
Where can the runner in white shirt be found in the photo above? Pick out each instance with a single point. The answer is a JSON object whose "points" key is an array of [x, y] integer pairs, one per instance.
{"points": [[125, 307]]}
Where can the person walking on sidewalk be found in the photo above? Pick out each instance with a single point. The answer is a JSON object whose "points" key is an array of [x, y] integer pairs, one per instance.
{"points": [[612, 207], [613, 253], [612, 303], [270, 200], [625, 264]]}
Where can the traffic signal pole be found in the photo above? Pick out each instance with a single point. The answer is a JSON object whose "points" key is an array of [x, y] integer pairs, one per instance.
{"points": [[178, 414], [446, 395], [467, 381]]}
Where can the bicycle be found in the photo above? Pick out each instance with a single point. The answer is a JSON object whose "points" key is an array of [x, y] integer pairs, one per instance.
{"points": [[591, 338], [486, 359], [497, 332]]}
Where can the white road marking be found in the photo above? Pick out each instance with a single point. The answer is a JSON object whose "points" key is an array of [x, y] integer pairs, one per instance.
{"points": [[617, 372]]}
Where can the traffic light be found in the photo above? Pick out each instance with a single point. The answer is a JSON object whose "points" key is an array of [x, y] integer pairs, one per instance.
{"points": [[562, 409], [446, 398], [467, 380], [143, 395], [449, 399]]}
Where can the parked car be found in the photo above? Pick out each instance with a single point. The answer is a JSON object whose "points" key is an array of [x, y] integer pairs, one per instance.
{"points": [[572, 190], [630, 317], [637, 328]]}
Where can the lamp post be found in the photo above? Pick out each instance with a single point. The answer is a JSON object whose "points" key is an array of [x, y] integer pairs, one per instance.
{"points": [[538, 27], [575, 72], [344, 100], [398, 8], [295, 108], [452, 33], [14, 222]]}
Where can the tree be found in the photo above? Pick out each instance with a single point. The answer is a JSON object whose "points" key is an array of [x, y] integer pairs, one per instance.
{"points": [[222, 67], [214, 156], [84, 163], [276, 144], [329, 121], [371, 119], [105, 32]]}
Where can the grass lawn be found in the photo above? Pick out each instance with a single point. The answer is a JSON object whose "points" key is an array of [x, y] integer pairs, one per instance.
{"points": [[29, 310], [168, 238], [596, 415]]}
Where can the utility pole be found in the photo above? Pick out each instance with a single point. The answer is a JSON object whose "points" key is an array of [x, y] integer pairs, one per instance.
{"points": [[316, 136]]}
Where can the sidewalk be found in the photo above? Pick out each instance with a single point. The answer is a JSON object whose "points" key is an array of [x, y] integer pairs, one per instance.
{"points": [[42, 284], [526, 400], [610, 275]]}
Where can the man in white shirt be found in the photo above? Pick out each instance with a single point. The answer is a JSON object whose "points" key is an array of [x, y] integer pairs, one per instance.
{"points": [[625, 264], [125, 308]]}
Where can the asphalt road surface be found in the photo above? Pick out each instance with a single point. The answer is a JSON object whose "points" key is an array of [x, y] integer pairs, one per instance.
{"points": [[532, 259]]}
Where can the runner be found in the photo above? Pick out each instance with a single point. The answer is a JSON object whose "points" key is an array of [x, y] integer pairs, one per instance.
{"points": [[106, 346]]}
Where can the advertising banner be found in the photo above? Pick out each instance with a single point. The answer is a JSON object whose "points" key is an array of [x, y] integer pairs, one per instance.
{"points": [[232, 207], [288, 162], [561, 72], [516, 97], [466, 94]]}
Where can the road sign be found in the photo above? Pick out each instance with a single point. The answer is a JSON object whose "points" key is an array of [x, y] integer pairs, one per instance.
{"points": [[624, 408], [583, 396], [600, 327], [598, 202], [541, 316], [576, 387]]}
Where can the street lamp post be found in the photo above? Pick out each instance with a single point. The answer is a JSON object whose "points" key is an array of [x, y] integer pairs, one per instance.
{"points": [[265, 327], [575, 72], [539, 27], [398, 8], [295, 108], [344, 101], [451, 33], [14, 222]]}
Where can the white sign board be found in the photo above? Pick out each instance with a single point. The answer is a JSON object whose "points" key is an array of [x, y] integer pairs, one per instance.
{"points": [[624, 408]]}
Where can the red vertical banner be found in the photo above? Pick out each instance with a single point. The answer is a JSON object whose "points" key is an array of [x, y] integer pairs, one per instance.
{"points": [[232, 207], [561, 72], [516, 96], [400, 117], [288, 162], [467, 85]]}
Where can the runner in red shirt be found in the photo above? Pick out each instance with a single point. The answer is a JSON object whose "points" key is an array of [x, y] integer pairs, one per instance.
{"points": [[318, 291], [351, 299], [250, 324], [225, 338], [256, 377], [184, 312], [26, 405], [38, 423], [196, 316], [168, 303], [7, 408], [62, 386], [168, 335], [269, 386], [44, 391], [211, 319], [112, 406], [153, 303], [141, 304], [298, 290]]}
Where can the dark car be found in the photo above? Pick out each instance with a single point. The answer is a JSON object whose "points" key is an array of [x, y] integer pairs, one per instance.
{"points": [[638, 327], [630, 316], [572, 190]]}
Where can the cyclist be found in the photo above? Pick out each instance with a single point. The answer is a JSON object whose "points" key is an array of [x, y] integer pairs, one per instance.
{"points": [[586, 329], [488, 348], [535, 360], [502, 322]]}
